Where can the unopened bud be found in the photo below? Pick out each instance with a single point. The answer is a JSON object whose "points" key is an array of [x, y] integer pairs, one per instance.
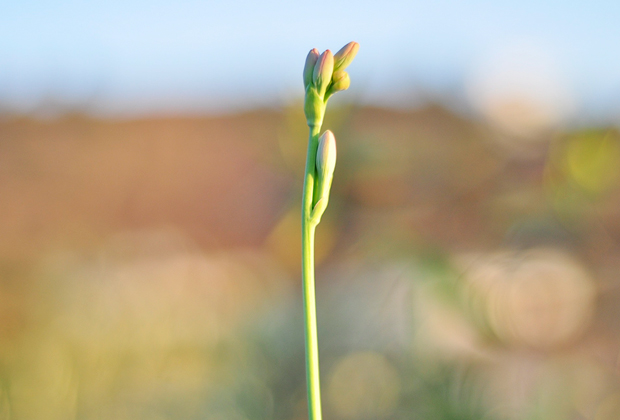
{"points": [[326, 156], [340, 81], [346, 54], [323, 70], [311, 59], [325, 164]]}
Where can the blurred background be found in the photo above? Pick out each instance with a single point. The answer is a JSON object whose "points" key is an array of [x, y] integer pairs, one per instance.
{"points": [[151, 162]]}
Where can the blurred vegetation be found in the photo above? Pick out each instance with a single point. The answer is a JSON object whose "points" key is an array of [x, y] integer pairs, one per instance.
{"points": [[151, 268]]}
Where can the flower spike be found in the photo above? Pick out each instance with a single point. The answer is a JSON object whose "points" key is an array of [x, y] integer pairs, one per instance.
{"points": [[323, 76]]}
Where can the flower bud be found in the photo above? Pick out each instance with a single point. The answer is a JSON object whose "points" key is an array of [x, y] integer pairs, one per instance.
{"points": [[311, 59], [323, 70], [340, 81], [325, 164], [346, 54], [326, 156]]}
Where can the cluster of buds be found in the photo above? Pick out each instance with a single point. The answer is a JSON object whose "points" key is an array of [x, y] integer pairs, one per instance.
{"points": [[324, 75]]}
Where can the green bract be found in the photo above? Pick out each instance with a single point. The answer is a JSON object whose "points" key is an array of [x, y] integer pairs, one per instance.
{"points": [[314, 107]]}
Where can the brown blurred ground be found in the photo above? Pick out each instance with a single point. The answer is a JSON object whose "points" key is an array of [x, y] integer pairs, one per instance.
{"points": [[150, 268]]}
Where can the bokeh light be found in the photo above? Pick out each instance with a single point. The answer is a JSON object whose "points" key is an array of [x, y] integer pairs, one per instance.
{"points": [[363, 385]]}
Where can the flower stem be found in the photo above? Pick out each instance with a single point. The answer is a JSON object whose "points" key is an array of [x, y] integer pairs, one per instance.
{"points": [[308, 228]]}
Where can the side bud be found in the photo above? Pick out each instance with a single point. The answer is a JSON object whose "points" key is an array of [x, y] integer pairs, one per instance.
{"points": [[346, 54], [323, 70], [311, 59], [340, 81], [325, 164], [326, 155]]}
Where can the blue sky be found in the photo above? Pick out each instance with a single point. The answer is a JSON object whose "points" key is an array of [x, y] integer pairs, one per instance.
{"points": [[138, 56]]}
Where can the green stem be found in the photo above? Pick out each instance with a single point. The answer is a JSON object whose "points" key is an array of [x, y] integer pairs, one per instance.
{"points": [[307, 239]]}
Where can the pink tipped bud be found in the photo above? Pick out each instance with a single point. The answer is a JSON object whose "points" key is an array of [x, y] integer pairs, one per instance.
{"points": [[326, 156], [323, 70], [346, 54], [311, 59]]}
